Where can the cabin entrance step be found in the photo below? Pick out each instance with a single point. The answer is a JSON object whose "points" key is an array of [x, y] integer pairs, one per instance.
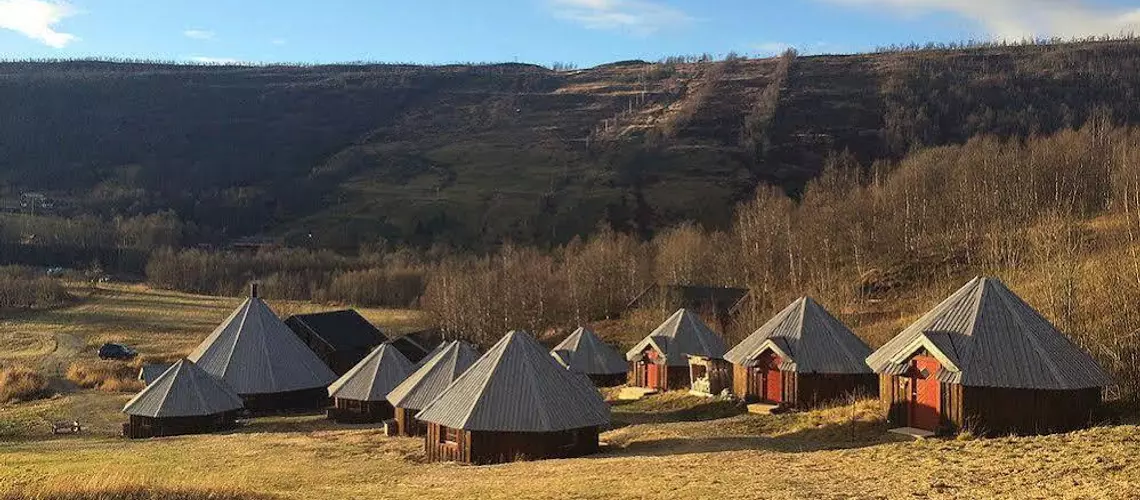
{"points": [[635, 393], [763, 408], [912, 432]]}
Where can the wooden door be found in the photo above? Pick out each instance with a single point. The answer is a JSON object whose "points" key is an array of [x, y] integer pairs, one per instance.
{"points": [[925, 394], [652, 375], [773, 379]]}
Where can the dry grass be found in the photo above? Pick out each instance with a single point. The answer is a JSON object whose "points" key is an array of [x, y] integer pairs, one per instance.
{"points": [[109, 376], [789, 456], [21, 383], [123, 487]]}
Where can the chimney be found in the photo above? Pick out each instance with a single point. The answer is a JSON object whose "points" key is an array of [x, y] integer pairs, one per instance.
{"points": [[253, 290]]}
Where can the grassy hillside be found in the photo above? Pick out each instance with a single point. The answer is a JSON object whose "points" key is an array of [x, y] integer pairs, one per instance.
{"points": [[473, 155]]}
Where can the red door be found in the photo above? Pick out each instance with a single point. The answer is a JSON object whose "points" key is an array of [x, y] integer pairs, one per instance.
{"points": [[652, 369], [773, 379], [926, 394]]}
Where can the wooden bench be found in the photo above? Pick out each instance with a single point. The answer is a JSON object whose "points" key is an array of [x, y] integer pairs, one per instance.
{"points": [[72, 427]]}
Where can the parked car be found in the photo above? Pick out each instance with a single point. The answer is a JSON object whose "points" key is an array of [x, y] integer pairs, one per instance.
{"points": [[116, 351]]}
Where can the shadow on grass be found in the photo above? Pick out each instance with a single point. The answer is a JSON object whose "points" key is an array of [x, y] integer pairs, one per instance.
{"points": [[838, 436], [625, 413], [295, 423]]}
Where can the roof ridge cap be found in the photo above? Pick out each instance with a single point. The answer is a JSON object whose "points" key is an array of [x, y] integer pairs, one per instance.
{"points": [[487, 379]]}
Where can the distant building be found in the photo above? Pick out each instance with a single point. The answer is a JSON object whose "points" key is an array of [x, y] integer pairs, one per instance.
{"points": [[721, 303], [340, 338], [985, 360], [416, 346], [584, 352], [661, 359], [262, 360], [361, 395], [801, 358], [182, 400], [515, 403]]}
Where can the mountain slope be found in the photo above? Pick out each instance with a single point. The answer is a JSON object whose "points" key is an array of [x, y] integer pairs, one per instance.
{"points": [[474, 155]]}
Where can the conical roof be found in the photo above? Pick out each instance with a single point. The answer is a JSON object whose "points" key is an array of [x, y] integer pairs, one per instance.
{"points": [[183, 390], [518, 387], [984, 335], [813, 339], [585, 353], [680, 336], [255, 353], [374, 376], [437, 372]]}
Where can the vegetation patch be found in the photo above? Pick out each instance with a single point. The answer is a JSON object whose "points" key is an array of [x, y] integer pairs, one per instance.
{"points": [[21, 383], [109, 376]]}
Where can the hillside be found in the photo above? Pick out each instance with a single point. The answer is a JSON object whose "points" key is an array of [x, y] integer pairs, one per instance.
{"points": [[473, 155]]}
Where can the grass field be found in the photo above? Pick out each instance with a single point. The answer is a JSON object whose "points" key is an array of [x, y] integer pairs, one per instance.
{"points": [[670, 445]]}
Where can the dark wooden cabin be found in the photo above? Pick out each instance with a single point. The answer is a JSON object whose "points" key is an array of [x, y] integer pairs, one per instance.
{"points": [[584, 352], [661, 360], [529, 407], [801, 358], [182, 400], [426, 382], [986, 361], [361, 395], [263, 361], [340, 338]]}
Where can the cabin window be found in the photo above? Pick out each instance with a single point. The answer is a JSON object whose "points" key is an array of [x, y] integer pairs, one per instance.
{"points": [[448, 435]]}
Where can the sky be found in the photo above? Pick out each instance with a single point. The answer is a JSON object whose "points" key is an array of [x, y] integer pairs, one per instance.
{"points": [[578, 32]]}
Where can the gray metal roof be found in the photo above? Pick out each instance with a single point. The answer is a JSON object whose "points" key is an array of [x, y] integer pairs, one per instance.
{"points": [[681, 336], [255, 353], [815, 341], [518, 387], [437, 372], [151, 371], [374, 376], [985, 335], [183, 390], [584, 352]]}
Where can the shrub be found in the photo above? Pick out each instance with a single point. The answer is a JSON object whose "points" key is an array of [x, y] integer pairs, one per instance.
{"points": [[110, 376], [20, 383]]}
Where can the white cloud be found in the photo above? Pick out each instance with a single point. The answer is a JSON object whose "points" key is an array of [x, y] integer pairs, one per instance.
{"points": [[1017, 19], [278, 41], [221, 61], [36, 19], [642, 17], [199, 34]]}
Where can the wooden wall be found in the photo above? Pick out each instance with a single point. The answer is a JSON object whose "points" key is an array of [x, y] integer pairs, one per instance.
{"points": [[407, 423], [146, 427], [811, 390], [991, 411], [305, 399], [609, 380], [669, 377], [350, 411], [479, 447]]}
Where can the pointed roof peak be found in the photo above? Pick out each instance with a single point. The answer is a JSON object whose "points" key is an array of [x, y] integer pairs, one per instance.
{"points": [[254, 352], [374, 376], [583, 351], [517, 387], [183, 390], [990, 337], [684, 334], [816, 340], [433, 375]]}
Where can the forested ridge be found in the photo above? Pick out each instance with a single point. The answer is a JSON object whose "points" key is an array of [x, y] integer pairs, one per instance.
{"points": [[472, 156]]}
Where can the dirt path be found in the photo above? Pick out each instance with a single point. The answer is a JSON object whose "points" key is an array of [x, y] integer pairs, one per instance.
{"points": [[54, 365]]}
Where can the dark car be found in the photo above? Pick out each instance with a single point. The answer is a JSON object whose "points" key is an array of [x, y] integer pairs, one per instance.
{"points": [[116, 351]]}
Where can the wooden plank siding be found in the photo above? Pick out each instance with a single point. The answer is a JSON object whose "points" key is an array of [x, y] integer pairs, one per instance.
{"points": [[992, 411], [350, 411], [147, 427], [482, 447], [668, 378], [804, 391], [408, 424]]}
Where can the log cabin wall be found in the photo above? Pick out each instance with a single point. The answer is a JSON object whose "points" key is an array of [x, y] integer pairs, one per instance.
{"points": [[811, 390], [992, 411], [894, 392], [408, 424], [609, 380], [146, 427], [480, 447]]}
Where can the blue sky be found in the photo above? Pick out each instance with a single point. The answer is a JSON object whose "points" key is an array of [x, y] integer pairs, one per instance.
{"points": [[583, 32]]}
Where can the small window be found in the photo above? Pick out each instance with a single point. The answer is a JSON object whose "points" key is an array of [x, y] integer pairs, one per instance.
{"points": [[448, 435]]}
